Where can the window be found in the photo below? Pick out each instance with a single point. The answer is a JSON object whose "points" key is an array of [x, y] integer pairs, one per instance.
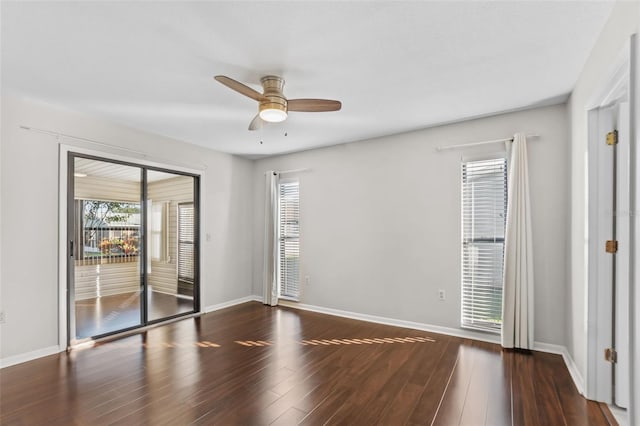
{"points": [[484, 208], [289, 239], [106, 229], [186, 242], [158, 231]]}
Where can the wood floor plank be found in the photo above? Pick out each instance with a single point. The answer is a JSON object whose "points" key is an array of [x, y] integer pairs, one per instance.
{"points": [[292, 416], [476, 405], [545, 393], [258, 365], [455, 396], [608, 414], [384, 379], [326, 408], [525, 410], [436, 384], [499, 405], [400, 403]]}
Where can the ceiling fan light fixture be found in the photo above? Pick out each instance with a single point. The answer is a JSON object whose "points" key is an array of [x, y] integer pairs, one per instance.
{"points": [[273, 106], [273, 112]]}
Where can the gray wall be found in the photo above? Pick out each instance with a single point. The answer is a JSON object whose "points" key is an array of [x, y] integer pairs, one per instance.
{"points": [[380, 220], [29, 228]]}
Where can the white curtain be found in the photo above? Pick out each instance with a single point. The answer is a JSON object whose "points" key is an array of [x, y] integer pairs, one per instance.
{"points": [[517, 303], [270, 280]]}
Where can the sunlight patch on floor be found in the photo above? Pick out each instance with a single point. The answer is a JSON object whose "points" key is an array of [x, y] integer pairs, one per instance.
{"points": [[369, 341]]}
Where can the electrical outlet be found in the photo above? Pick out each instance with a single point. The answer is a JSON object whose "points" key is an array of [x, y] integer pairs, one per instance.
{"points": [[2, 317], [441, 294], [307, 279]]}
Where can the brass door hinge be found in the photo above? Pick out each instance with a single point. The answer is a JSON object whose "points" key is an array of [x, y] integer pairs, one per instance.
{"points": [[612, 138], [610, 355], [611, 246]]}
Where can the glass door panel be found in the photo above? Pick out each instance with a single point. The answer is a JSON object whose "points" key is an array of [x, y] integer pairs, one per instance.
{"points": [[107, 248], [171, 262]]}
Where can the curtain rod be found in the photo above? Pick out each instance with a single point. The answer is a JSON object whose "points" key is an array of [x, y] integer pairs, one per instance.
{"points": [[464, 145], [306, 169], [143, 154], [293, 171]]}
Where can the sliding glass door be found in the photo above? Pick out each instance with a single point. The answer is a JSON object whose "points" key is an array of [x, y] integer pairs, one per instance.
{"points": [[133, 246], [106, 247], [171, 242]]}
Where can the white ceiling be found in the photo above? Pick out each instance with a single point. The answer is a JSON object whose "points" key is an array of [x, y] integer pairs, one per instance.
{"points": [[87, 167], [396, 65]]}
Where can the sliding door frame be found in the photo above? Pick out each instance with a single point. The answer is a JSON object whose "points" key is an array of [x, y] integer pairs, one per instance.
{"points": [[66, 299]]}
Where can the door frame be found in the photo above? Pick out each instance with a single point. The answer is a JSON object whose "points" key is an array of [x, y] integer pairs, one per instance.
{"points": [[633, 414], [63, 226], [599, 301]]}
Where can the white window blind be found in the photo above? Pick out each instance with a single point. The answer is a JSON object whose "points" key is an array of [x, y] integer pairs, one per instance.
{"points": [[186, 242], [289, 239], [484, 208]]}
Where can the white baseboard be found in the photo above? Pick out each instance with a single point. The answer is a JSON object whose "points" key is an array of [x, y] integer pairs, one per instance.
{"points": [[574, 371], [29, 356], [230, 303], [621, 415], [466, 334], [549, 348], [457, 332]]}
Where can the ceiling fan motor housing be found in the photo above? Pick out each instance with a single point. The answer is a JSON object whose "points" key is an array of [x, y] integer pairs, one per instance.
{"points": [[274, 98]]}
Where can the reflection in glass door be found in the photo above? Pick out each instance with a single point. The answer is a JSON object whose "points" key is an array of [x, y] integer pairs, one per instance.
{"points": [[107, 249], [170, 267], [133, 246]]}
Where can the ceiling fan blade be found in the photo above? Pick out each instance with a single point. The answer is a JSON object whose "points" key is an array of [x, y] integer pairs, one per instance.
{"points": [[239, 87], [313, 105], [256, 123]]}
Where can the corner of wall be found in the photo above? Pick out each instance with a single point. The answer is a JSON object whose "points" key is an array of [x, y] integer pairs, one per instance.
{"points": [[574, 371], [568, 330], [230, 303]]}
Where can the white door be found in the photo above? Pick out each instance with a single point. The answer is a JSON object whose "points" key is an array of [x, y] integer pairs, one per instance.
{"points": [[613, 316], [612, 213], [634, 286]]}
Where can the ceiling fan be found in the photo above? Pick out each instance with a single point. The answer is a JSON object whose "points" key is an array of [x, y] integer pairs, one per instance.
{"points": [[273, 106]]}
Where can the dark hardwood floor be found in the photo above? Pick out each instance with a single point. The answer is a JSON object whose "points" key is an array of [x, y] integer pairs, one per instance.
{"points": [[106, 314], [256, 365]]}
